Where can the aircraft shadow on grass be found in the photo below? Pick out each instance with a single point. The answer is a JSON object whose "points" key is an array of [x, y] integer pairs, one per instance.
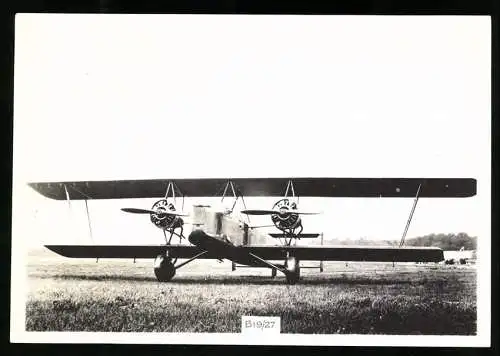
{"points": [[255, 280]]}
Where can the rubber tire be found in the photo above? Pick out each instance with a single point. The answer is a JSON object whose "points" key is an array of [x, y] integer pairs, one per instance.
{"points": [[292, 278], [165, 271]]}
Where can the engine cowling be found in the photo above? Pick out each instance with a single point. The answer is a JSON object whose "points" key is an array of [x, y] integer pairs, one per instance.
{"points": [[164, 221], [286, 219]]}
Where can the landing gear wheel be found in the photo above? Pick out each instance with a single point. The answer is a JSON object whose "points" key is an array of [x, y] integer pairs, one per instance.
{"points": [[292, 267], [292, 278], [164, 269], [273, 272]]}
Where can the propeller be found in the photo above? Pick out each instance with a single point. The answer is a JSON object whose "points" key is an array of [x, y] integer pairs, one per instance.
{"points": [[278, 212], [149, 211]]}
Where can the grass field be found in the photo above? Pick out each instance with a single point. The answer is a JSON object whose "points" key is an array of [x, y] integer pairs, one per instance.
{"points": [[205, 296]]}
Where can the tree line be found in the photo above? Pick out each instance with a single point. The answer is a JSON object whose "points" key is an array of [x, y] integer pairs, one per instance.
{"points": [[447, 242]]}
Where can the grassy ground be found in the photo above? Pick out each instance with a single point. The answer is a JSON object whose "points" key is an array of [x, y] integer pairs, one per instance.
{"points": [[205, 296]]}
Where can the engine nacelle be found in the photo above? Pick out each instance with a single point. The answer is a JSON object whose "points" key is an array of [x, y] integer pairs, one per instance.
{"points": [[286, 219], [164, 221]]}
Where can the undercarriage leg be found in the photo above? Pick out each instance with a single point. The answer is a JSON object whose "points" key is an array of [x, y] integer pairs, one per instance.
{"points": [[293, 270], [167, 240], [190, 260]]}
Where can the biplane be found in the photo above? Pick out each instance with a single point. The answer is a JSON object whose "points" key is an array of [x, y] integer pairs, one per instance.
{"points": [[217, 233]]}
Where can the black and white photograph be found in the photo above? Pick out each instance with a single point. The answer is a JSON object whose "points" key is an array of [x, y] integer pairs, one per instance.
{"points": [[252, 179]]}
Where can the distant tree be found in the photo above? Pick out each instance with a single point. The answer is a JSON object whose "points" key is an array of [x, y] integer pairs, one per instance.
{"points": [[448, 242], [393, 243]]}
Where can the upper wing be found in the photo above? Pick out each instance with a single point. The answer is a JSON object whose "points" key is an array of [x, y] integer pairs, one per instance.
{"points": [[313, 253], [312, 187]]}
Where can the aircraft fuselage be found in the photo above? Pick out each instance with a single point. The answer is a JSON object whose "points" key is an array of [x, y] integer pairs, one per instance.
{"points": [[224, 226], [219, 231], [223, 247]]}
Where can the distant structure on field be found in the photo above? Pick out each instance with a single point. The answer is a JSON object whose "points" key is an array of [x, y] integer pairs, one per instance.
{"points": [[459, 257]]}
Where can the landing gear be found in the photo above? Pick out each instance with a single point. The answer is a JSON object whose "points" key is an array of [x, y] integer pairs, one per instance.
{"points": [[292, 267], [273, 272], [164, 269]]}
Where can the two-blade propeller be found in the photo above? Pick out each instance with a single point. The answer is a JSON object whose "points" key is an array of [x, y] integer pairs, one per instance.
{"points": [[247, 212], [276, 212], [156, 212]]}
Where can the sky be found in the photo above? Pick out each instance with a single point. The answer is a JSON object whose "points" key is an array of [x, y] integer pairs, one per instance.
{"points": [[136, 97]]}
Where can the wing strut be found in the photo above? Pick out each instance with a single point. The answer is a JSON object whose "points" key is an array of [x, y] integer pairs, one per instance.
{"points": [[230, 184], [245, 207], [171, 188], [289, 187], [321, 262], [88, 219], [236, 195], [67, 196], [86, 207], [410, 217], [68, 199]]}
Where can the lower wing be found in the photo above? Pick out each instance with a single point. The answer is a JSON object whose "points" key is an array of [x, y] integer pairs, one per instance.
{"points": [[310, 253], [128, 251], [349, 253]]}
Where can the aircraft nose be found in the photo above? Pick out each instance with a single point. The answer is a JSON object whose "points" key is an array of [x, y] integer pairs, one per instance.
{"points": [[196, 237]]}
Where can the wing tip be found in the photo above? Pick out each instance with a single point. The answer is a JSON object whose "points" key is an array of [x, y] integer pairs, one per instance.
{"points": [[57, 249]]}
